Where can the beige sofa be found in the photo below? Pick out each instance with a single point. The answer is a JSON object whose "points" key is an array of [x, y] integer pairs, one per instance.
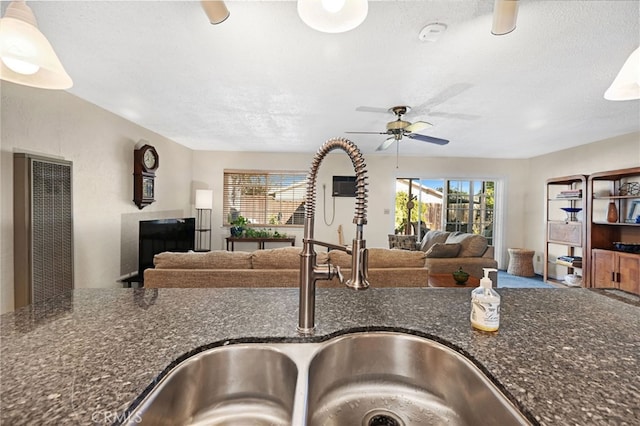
{"points": [[278, 267], [447, 251]]}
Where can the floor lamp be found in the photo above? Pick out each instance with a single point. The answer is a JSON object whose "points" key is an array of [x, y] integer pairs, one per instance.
{"points": [[204, 205]]}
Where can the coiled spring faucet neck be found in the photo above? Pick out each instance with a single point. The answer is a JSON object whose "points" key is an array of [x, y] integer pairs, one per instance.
{"points": [[310, 272]]}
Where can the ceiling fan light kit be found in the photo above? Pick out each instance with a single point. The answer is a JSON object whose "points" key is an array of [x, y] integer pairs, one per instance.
{"points": [[216, 11], [399, 128], [626, 85], [26, 56], [333, 16], [505, 14]]}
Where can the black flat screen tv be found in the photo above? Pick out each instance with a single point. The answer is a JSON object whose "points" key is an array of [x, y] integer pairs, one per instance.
{"points": [[156, 236]]}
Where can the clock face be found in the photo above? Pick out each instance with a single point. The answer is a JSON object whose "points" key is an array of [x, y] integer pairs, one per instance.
{"points": [[149, 159]]}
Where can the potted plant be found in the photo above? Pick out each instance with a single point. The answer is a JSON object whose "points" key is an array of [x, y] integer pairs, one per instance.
{"points": [[237, 226]]}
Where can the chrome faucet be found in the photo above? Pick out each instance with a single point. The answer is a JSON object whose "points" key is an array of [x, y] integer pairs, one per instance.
{"points": [[310, 271]]}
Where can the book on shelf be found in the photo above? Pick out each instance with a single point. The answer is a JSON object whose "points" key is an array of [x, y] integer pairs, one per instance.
{"points": [[570, 261], [570, 193]]}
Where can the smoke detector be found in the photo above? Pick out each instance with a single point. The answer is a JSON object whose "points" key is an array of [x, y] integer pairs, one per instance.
{"points": [[432, 32]]}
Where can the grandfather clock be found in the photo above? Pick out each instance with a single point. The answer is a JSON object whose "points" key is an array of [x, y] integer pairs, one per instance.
{"points": [[145, 164]]}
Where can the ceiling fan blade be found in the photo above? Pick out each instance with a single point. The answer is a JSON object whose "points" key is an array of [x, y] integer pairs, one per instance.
{"points": [[454, 115], [429, 139], [386, 144], [368, 133], [446, 94], [372, 109], [417, 126]]}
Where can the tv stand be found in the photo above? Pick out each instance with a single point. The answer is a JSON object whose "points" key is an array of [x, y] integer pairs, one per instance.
{"points": [[135, 278]]}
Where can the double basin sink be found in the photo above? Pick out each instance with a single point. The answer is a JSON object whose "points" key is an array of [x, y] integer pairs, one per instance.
{"points": [[369, 379]]}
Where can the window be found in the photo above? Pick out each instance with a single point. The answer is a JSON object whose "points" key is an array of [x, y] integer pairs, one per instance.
{"points": [[264, 198]]}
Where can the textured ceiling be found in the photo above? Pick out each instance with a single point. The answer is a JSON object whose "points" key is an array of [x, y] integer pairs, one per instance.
{"points": [[264, 81]]}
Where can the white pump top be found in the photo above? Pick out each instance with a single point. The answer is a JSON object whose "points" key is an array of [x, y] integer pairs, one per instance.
{"points": [[485, 282]]}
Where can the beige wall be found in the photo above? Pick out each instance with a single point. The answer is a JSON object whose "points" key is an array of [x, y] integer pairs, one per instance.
{"points": [[100, 145], [209, 166], [611, 154]]}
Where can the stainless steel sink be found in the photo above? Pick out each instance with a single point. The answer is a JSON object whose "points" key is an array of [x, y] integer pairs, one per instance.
{"points": [[368, 379], [399, 379], [229, 385]]}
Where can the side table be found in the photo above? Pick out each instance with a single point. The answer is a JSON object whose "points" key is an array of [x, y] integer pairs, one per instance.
{"points": [[446, 280], [521, 262]]}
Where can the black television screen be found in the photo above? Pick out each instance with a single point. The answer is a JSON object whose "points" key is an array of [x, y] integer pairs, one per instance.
{"points": [[156, 236]]}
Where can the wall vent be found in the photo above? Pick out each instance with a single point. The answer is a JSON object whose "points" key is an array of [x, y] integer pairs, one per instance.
{"points": [[43, 228]]}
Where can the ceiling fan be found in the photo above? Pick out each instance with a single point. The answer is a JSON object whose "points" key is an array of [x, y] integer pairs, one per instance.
{"points": [[399, 128]]}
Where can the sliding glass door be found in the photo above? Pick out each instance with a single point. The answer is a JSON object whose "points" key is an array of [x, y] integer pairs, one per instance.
{"points": [[445, 204]]}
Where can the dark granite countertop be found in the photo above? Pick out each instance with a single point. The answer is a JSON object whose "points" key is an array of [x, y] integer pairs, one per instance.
{"points": [[566, 356]]}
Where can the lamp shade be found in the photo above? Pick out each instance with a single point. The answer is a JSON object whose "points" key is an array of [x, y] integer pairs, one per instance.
{"points": [[204, 199], [26, 56], [216, 11], [333, 16], [626, 85], [505, 13]]}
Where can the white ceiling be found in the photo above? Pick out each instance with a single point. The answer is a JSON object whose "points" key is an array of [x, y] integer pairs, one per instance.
{"points": [[264, 81]]}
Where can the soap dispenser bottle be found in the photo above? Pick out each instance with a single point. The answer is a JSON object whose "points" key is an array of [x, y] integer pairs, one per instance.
{"points": [[485, 305]]}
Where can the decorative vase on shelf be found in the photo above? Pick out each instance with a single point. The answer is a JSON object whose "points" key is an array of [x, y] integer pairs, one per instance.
{"points": [[612, 213]]}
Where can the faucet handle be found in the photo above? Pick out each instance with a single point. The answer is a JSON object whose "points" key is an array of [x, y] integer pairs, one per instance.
{"points": [[339, 274]]}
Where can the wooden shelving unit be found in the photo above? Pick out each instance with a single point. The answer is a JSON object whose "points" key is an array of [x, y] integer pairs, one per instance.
{"points": [[610, 268], [566, 232]]}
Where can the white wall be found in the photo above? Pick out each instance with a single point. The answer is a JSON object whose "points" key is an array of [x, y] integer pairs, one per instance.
{"points": [[611, 154], [100, 145]]}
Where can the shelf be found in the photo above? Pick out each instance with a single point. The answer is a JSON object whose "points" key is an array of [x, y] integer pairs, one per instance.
{"points": [[617, 197], [631, 224], [564, 237]]}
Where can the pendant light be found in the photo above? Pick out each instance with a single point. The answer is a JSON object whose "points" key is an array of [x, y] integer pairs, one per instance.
{"points": [[216, 11], [626, 85], [26, 57], [333, 16], [505, 13]]}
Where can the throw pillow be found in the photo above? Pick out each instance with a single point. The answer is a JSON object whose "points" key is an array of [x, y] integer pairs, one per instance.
{"points": [[404, 242], [472, 245], [433, 237], [443, 250]]}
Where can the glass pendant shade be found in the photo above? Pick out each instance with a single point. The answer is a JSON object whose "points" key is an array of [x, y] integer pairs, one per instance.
{"points": [[333, 16], [26, 55], [216, 11], [626, 85], [505, 14]]}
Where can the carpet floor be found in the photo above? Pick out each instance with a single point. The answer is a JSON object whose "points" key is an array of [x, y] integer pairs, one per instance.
{"points": [[511, 281]]}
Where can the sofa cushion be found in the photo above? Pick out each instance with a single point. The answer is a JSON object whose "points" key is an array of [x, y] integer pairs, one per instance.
{"points": [[217, 259], [281, 258], [433, 237], [386, 258], [340, 258], [443, 250], [382, 258], [471, 245]]}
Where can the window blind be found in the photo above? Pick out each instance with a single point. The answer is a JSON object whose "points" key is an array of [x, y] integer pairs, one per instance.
{"points": [[264, 198]]}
